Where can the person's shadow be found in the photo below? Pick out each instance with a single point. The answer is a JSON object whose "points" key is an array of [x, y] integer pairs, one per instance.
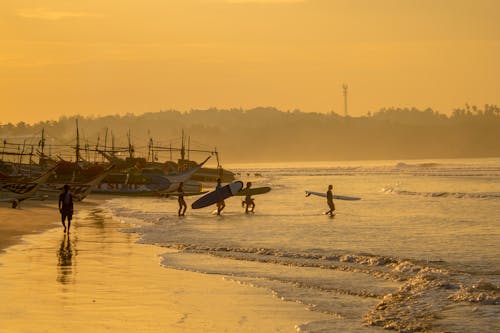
{"points": [[65, 262]]}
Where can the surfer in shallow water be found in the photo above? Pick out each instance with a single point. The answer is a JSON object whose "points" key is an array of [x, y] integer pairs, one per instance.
{"points": [[329, 200], [220, 204], [180, 199], [249, 202]]}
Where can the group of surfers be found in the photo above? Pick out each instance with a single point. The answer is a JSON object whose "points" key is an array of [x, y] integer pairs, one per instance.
{"points": [[66, 202], [248, 202]]}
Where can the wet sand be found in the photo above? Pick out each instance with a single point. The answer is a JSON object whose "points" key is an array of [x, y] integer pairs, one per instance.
{"points": [[32, 217], [98, 279]]}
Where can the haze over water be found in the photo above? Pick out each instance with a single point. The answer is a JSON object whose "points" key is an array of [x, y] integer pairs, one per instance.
{"points": [[419, 251]]}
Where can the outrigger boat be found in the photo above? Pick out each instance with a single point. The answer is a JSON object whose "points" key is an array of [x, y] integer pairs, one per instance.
{"points": [[130, 176], [143, 183], [79, 190], [184, 162], [16, 191]]}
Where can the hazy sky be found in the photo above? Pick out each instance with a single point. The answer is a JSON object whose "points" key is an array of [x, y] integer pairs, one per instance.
{"points": [[60, 57]]}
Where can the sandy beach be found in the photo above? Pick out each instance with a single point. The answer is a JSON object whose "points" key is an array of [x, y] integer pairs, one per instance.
{"points": [[98, 279], [32, 217]]}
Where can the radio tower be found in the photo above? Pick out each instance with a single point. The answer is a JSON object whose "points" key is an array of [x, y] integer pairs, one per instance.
{"points": [[344, 88]]}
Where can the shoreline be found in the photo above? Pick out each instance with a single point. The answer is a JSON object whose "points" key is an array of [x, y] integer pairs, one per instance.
{"points": [[33, 217], [99, 279]]}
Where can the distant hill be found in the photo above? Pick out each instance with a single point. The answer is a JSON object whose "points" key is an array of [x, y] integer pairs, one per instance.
{"points": [[268, 134]]}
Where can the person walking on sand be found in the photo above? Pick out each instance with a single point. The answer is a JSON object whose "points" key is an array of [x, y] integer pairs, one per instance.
{"points": [[220, 204], [180, 199], [329, 200], [66, 207], [248, 199]]}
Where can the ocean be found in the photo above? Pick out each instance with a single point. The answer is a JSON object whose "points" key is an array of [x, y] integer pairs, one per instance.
{"points": [[419, 252]]}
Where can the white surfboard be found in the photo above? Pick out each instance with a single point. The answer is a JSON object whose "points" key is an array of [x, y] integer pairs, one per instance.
{"points": [[338, 197]]}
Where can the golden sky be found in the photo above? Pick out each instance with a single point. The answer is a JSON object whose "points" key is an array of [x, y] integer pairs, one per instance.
{"points": [[96, 57]]}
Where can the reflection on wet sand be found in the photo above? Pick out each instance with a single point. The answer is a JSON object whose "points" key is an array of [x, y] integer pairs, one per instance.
{"points": [[104, 281], [65, 272]]}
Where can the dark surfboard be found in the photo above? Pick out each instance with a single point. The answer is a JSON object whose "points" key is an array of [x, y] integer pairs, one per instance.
{"points": [[218, 195]]}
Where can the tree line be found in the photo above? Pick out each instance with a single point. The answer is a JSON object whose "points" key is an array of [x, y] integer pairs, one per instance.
{"points": [[268, 134]]}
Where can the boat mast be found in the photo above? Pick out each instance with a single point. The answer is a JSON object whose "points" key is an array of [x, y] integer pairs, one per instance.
{"points": [[87, 149], [22, 153], [77, 150], [183, 151], [96, 148], [42, 142], [105, 143], [151, 152], [31, 159], [130, 147]]}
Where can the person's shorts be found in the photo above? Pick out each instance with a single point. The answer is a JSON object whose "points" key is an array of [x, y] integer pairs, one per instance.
{"points": [[331, 205], [68, 215]]}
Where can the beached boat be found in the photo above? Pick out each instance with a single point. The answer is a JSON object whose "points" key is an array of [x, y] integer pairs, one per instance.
{"points": [[147, 182]]}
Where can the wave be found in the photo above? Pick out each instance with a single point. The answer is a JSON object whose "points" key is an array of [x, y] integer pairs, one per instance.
{"points": [[403, 168], [401, 165], [466, 195], [356, 289], [389, 292]]}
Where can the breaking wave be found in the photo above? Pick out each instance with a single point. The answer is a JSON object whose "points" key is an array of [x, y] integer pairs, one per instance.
{"points": [[465, 195], [356, 289]]}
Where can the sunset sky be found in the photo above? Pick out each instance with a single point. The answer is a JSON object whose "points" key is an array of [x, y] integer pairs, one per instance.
{"points": [[96, 57]]}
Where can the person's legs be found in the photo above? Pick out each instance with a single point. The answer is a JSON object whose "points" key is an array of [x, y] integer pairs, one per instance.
{"points": [[184, 206], [220, 207], [69, 221], [180, 207], [63, 217], [332, 208]]}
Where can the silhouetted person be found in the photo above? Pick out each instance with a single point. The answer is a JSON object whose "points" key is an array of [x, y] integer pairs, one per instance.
{"points": [[249, 202], [220, 204], [180, 199], [66, 207], [329, 200]]}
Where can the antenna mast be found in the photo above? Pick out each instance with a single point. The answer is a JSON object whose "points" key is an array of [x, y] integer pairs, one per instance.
{"points": [[344, 88]]}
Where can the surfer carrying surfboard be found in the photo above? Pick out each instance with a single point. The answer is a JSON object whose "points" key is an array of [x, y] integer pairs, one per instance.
{"points": [[180, 199], [220, 204], [329, 200], [248, 199]]}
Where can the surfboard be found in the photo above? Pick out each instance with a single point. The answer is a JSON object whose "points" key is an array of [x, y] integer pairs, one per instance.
{"points": [[254, 191], [338, 197], [218, 195]]}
